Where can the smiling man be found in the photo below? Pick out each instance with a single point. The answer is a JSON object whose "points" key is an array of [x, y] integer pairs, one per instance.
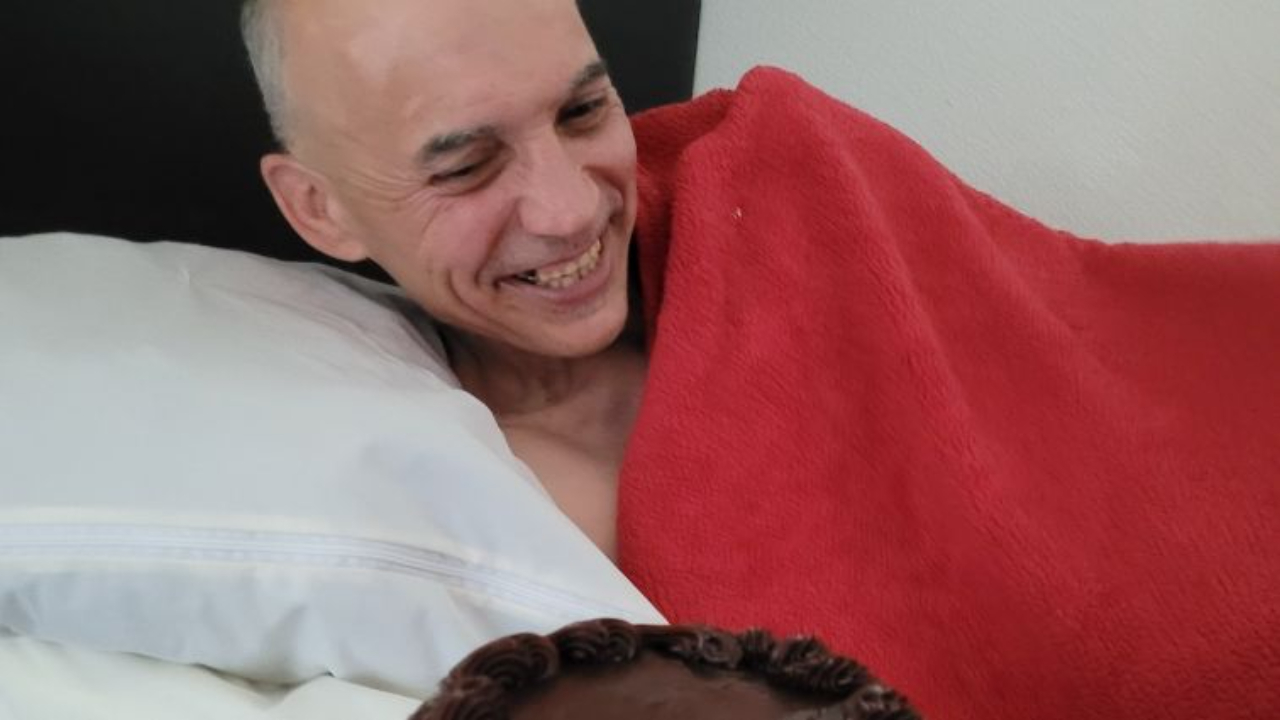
{"points": [[479, 154], [1023, 474]]}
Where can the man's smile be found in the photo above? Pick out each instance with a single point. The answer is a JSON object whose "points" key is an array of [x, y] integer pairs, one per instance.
{"points": [[565, 274]]}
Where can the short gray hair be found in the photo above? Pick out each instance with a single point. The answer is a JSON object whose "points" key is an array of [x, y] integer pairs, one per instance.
{"points": [[260, 29]]}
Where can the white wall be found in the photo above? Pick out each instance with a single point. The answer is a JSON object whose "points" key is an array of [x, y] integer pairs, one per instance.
{"points": [[1134, 119]]}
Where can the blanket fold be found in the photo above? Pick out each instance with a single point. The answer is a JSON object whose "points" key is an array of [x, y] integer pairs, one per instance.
{"points": [[1016, 472]]}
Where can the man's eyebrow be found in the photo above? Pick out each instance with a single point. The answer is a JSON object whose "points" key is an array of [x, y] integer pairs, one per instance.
{"points": [[589, 74], [453, 142]]}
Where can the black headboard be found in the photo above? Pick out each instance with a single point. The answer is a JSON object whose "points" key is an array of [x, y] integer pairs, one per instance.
{"points": [[139, 118]]}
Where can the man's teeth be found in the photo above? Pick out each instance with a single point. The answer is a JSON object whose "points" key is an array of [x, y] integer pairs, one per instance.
{"points": [[568, 274]]}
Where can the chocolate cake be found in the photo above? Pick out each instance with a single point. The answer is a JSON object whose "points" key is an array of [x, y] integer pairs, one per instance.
{"points": [[610, 669]]}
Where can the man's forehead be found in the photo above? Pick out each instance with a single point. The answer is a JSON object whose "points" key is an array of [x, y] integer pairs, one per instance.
{"points": [[377, 46], [397, 21], [390, 74]]}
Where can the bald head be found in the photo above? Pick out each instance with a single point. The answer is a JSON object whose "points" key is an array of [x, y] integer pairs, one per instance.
{"points": [[262, 26]]}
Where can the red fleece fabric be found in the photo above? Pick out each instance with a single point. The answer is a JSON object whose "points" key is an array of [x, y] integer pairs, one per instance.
{"points": [[1018, 473]]}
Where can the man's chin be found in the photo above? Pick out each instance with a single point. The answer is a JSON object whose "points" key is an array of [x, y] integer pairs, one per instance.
{"points": [[585, 336], [587, 332], [590, 338]]}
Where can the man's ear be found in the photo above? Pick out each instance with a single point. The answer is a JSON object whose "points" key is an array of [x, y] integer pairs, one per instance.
{"points": [[304, 198]]}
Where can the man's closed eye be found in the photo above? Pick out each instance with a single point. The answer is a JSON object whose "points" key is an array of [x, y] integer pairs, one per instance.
{"points": [[466, 173], [585, 115]]}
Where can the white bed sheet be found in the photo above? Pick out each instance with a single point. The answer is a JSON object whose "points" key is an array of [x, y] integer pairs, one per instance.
{"points": [[44, 681]]}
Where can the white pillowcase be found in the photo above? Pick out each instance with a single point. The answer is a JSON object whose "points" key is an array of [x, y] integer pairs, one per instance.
{"points": [[266, 468]]}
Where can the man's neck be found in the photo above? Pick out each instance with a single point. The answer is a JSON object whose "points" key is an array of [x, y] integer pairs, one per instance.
{"points": [[515, 384]]}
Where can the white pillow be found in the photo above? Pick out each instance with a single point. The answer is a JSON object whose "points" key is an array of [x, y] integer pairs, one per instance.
{"points": [[215, 458]]}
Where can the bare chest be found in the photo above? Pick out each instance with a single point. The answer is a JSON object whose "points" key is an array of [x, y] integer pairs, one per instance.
{"points": [[578, 459], [582, 481]]}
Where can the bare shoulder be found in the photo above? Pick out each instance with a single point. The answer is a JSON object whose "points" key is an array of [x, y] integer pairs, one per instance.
{"points": [[549, 454], [583, 485]]}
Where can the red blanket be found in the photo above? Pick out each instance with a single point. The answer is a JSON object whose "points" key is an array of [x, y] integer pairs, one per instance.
{"points": [[1018, 473]]}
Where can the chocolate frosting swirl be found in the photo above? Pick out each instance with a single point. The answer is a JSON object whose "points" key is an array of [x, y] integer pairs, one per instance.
{"points": [[757, 650], [798, 652], [597, 641], [877, 702], [473, 698], [696, 645], [513, 662]]}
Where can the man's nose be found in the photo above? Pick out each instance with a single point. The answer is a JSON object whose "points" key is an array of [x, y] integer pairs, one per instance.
{"points": [[560, 198]]}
